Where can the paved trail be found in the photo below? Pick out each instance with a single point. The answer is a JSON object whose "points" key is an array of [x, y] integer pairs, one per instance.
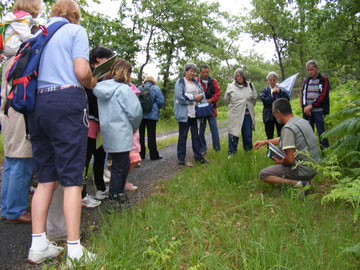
{"points": [[16, 238]]}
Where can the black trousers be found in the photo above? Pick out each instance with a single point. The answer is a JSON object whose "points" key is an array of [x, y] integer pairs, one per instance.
{"points": [[151, 134], [119, 172], [269, 128], [98, 168]]}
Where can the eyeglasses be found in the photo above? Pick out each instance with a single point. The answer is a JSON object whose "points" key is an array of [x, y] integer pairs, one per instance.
{"points": [[274, 113]]}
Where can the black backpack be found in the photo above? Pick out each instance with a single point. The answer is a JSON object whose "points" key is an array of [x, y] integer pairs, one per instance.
{"points": [[145, 99]]}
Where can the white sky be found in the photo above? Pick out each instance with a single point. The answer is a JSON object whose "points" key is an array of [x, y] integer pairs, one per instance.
{"points": [[236, 7]]}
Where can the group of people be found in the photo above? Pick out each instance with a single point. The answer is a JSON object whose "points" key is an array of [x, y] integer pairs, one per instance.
{"points": [[72, 106], [296, 136]]}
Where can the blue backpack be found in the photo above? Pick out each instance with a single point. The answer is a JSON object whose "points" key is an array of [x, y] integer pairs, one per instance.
{"points": [[23, 72]]}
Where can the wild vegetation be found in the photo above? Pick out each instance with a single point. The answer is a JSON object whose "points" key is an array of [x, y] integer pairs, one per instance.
{"points": [[225, 218]]}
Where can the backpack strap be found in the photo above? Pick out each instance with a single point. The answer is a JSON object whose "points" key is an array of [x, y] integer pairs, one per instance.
{"points": [[251, 86], [14, 34], [31, 76]]}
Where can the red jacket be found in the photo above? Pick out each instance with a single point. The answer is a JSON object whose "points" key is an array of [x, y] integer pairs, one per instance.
{"points": [[211, 92]]}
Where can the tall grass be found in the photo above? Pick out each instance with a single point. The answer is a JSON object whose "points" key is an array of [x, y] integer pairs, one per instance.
{"points": [[221, 216], [171, 124]]}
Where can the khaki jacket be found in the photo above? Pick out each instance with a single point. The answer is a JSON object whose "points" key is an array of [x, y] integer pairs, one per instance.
{"points": [[237, 97], [13, 125]]}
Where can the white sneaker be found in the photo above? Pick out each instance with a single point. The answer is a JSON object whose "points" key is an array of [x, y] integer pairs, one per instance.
{"points": [[303, 188], [90, 202], [107, 175], [101, 195], [83, 260], [52, 251]]}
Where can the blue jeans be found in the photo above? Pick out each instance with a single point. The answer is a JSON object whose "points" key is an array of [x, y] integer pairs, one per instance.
{"points": [[214, 133], [317, 118], [15, 186], [233, 144], [195, 139], [246, 133]]}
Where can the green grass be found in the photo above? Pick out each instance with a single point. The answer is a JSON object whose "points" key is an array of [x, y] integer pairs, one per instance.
{"points": [[172, 125], [221, 216], [164, 125]]}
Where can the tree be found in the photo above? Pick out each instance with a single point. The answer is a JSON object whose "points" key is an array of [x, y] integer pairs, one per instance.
{"points": [[272, 20], [172, 30], [337, 38]]}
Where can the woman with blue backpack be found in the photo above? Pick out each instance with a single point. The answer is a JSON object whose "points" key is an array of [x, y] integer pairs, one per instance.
{"points": [[58, 132], [150, 116]]}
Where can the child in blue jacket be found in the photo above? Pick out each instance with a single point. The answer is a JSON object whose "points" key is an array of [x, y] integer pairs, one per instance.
{"points": [[120, 115]]}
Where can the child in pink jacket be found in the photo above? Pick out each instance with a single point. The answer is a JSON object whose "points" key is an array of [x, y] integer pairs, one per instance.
{"points": [[134, 153]]}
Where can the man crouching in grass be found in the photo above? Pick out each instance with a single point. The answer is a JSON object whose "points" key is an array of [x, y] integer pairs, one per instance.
{"points": [[297, 138]]}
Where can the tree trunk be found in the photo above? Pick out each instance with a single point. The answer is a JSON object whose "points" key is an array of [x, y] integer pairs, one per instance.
{"points": [[278, 52], [140, 75], [166, 67], [301, 42]]}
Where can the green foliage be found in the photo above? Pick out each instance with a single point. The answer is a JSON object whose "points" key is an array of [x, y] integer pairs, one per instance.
{"points": [[301, 30], [353, 250], [348, 190], [337, 28], [272, 20], [160, 256], [228, 220], [346, 126], [342, 163]]}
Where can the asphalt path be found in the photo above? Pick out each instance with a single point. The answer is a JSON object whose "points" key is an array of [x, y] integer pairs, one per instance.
{"points": [[15, 239]]}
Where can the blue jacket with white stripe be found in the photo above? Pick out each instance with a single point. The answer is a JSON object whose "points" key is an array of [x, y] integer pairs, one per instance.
{"points": [[181, 99]]}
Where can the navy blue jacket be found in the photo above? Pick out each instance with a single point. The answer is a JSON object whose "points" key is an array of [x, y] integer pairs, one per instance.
{"points": [[323, 99], [267, 99]]}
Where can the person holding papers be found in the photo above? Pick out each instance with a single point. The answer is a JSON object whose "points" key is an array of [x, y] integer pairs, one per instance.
{"points": [[298, 137], [268, 95], [98, 55]]}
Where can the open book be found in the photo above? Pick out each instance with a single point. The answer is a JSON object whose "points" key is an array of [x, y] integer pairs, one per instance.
{"points": [[104, 67], [275, 152]]}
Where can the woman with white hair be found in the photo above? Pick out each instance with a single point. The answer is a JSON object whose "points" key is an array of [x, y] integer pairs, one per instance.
{"points": [[268, 95], [187, 93], [240, 98]]}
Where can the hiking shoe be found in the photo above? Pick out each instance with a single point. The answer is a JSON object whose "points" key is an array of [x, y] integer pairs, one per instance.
{"points": [[52, 251], [90, 202], [202, 161], [86, 258], [117, 202], [181, 162], [101, 195]]}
